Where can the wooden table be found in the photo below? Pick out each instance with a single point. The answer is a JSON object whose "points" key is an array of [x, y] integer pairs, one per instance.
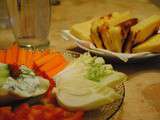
{"points": [[142, 100]]}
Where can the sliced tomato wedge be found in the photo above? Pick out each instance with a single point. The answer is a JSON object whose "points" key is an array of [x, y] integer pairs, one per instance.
{"points": [[76, 116], [21, 113], [6, 113]]}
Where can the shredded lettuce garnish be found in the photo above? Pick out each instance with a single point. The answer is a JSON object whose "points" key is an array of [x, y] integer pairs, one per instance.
{"points": [[96, 69]]}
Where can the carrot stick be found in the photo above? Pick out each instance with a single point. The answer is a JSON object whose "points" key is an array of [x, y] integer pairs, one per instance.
{"points": [[15, 53], [2, 56], [29, 59], [44, 59], [9, 55], [38, 54], [21, 56], [57, 60], [12, 54], [54, 71]]}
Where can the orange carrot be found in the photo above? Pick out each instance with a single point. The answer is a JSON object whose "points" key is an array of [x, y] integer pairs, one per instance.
{"points": [[12, 54], [21, 57], [54, 71], [2, 56], [29, 59], [38, 54], [9, 55], [15, 53], [45, 59], [57, 60]]}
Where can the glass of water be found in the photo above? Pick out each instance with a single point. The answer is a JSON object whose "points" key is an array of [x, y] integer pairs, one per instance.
{"points": [[30, 21]]}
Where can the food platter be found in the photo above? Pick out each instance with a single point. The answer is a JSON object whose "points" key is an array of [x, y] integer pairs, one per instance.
{"points": [[105, 112], [125, 57], [21, 76]]}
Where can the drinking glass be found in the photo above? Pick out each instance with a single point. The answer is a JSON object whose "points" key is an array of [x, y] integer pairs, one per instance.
{"points": [[30, 21]]}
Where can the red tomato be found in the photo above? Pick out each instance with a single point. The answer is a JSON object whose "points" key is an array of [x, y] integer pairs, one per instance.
{"points": [[6, 113], [21, 113], [38, 112], [76, 116]]}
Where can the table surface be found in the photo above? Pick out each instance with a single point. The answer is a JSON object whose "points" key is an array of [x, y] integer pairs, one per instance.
{"points": [[142, 100]]}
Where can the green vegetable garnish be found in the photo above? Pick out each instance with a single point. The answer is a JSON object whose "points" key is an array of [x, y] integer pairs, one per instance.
{"points": [[94, 68], [97, 70]]}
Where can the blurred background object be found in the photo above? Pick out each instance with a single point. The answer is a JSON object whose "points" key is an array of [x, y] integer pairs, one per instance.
{"points": [[55, 2], [4, 18], [156, 2]]}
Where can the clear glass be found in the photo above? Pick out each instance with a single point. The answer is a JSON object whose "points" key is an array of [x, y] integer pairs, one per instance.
{"points": [[30, 21]]}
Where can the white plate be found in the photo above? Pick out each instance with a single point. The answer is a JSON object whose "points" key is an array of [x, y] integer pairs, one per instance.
{"points": [[88, 46]]}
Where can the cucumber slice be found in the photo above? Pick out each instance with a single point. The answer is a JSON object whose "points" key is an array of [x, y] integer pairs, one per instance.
{"points": [[2, 80], [4, 73], [3, 66]]}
